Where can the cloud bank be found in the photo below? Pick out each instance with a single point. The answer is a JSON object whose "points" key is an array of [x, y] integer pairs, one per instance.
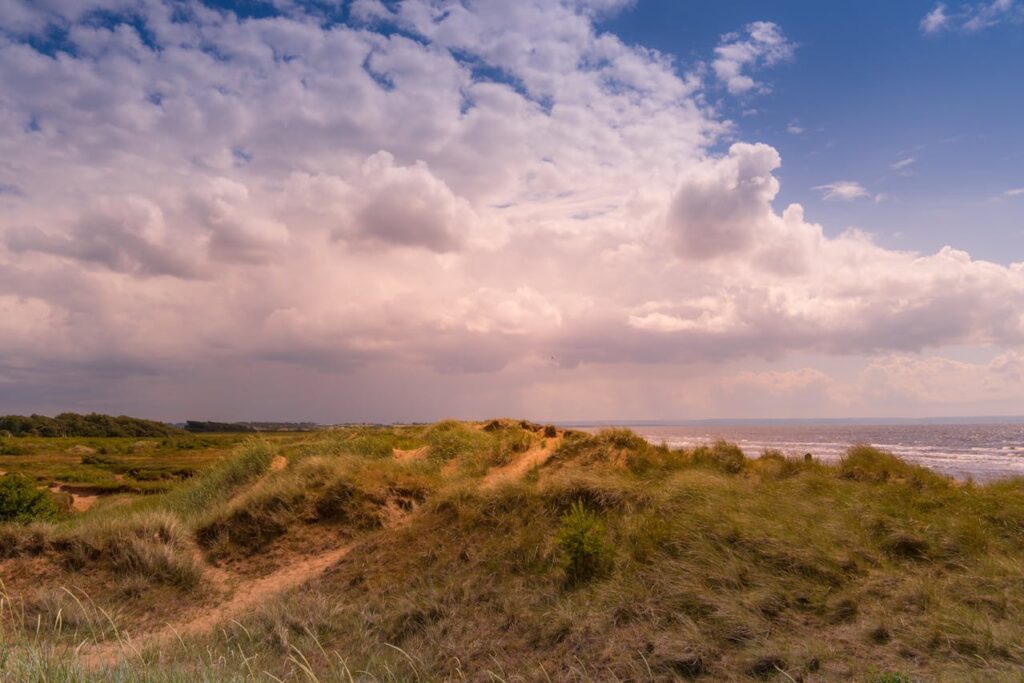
{"points": [[474, 193]]}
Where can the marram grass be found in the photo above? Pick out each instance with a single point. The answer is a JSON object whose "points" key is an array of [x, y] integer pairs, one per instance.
{"points": [[607, 559]]}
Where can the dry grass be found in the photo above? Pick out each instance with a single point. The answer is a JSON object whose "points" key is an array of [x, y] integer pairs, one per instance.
{"points": [[699, 564]]}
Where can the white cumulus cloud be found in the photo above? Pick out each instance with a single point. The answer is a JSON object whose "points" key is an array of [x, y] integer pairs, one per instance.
{"points": [[762, 44]]}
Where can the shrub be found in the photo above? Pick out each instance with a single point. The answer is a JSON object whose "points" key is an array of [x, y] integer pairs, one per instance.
{"points": [[581, 538], [21, 501]]}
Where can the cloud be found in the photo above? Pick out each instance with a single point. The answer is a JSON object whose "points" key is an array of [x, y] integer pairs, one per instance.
{"points": [[937, 379], [989, 14], [763, 45], [479, 197], [904, 163], [408, 206], [794, 128], [936, 20], [720, 206], [843, 191], [126, 234], [972, 18], [1015, 192]]}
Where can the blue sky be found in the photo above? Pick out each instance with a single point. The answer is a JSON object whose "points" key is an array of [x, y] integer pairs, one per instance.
{"points": [[869, 88], [583, 209]]}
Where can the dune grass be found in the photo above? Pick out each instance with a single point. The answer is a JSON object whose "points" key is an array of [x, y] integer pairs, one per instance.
{"points": [[615, 560]]}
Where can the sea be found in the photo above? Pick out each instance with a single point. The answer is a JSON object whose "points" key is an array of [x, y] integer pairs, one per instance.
{"points": [[981, 452]]}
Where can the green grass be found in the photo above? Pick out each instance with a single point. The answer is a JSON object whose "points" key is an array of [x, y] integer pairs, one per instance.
{"points": [[617, 560], [117, 465]]}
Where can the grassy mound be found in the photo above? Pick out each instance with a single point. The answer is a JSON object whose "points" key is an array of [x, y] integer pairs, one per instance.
{"points": [[613, 559]]}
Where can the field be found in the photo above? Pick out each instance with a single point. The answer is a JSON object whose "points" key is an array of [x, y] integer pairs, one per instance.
{"points": [[503, 551]]}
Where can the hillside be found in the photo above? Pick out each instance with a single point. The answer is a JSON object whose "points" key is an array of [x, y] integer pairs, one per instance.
{"points": [[508, 551]]}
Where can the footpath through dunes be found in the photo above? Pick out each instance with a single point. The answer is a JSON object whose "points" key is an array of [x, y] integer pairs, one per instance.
{"points": [[400, 554], [534, 457], [243, 594], [236, 592]]}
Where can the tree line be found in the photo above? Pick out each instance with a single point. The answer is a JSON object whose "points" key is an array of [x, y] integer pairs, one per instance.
{"points": [[93, 424]]}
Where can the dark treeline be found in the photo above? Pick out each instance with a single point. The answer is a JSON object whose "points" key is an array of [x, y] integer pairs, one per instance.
{"points": [[205, 427], [93, 424]]}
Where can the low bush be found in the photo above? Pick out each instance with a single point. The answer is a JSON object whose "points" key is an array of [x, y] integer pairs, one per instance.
{"points": [[21, 501], [581, 539]]}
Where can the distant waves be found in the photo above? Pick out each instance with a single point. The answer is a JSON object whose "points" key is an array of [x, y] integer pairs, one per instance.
{"points": [[981, 452]]}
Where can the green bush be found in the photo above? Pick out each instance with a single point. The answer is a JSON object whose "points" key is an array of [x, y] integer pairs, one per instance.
{"points": [[581, 538], [21, 501]]}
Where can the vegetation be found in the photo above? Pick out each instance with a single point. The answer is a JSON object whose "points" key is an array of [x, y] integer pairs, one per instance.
{"points": [[426, 553], [582, 539], [122, 465], [93, 424], [207, 427], [20, 501], [200, 427]]}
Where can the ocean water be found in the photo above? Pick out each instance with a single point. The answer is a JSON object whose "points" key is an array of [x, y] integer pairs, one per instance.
{"points": [[979, 451]]}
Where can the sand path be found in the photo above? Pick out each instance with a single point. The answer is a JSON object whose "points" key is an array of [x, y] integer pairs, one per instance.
{"points": [[248, 593], [413, 454], [244, 594], [80, 501], [536, 456]]}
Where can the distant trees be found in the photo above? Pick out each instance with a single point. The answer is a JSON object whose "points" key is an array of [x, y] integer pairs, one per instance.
{"points": [[206, 426], [93, 424], [201, 427]]}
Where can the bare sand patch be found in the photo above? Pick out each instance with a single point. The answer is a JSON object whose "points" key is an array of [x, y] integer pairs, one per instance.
{"points": [[412, 454], [536, 456], [82, 497]]}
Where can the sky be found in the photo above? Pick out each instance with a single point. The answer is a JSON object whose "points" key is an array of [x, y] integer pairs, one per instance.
{"points": [[561, 210]]}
